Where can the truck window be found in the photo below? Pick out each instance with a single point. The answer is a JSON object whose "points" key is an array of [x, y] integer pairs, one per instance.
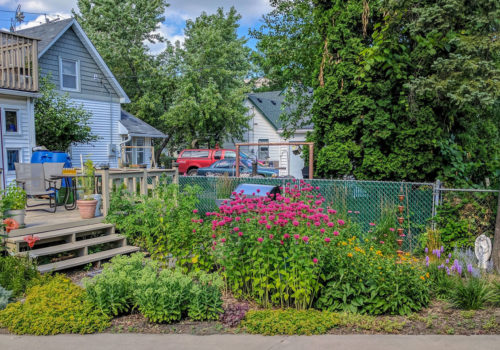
{"points": [[199, 154]]}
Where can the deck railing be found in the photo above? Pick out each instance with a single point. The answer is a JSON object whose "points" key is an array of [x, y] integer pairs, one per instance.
{"points": [[140, 180], [18, 62]]}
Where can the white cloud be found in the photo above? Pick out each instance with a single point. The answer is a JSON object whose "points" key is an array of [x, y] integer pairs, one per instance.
{"points": [[172, 33], [41, 6], [42, 19]]}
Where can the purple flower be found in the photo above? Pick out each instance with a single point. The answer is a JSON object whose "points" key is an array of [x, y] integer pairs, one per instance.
{"points": [[447, 261], [459, 269], [442, 249], [449, 255], [427, 258], [426, 250], [438, 254], [469, 268]]}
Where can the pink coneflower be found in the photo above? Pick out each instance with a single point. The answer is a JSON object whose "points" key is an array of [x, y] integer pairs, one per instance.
{"points": [[286, 236], [295, 223], [330, 224], [327, 239], [341, 222], [335, 233], [236, 229], [195, 211], [237, 218], [296, 236], [240, 233], [315, 260], [268, 226], [260, 239], [322, 230], [305, 239]]}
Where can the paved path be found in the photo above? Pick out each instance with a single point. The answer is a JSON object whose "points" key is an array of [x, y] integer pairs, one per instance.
{"points": [[248, 342]]}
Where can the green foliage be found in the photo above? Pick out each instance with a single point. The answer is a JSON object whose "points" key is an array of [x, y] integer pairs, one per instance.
{"points": [[88, 180], [208, 104], [161, 224], [289, 322], [58, 124], [441, 283], [496, 293], [16, 273], [14, 198], [470, 293], [4, 297], [359, 278], [57, 306], [161, 295]]}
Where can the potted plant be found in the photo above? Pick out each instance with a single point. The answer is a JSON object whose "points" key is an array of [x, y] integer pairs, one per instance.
{"points": [[88, 203], [14, 204]]}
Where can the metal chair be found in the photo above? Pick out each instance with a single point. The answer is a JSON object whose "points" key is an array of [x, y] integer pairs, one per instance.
{"points": [[31, 178], [51, 170]]}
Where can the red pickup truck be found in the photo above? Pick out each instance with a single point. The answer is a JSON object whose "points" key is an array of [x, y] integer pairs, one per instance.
{"points": [[190, 160]]}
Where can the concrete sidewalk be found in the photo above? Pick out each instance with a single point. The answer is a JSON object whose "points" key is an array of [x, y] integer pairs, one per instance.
{"points": [[248, 342]]}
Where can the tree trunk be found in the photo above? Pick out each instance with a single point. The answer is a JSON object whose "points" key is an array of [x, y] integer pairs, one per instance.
{"points": [[496, 240], [163, 144]]}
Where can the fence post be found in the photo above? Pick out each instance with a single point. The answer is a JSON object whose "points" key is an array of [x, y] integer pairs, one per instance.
{"points": [[496, 240], [144, 182], [176, 175], [435, 201], [105, 192]]}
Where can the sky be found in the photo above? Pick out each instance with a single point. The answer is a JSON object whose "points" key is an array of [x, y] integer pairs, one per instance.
{"points": [[176, 14]]}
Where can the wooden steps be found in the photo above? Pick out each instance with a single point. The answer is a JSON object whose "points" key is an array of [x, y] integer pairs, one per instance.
{"points": [[69, 246], [83, 260]]}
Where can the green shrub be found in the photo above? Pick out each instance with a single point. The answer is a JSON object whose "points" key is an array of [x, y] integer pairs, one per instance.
{"points": [[289, 322], [496, 293], [470, 293], [112, 291], [205, 302], [57, 306], [360, 278], [4, 297], [441, 283], [16, 273]]}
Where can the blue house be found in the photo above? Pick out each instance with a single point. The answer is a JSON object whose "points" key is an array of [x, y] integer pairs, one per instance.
{"points": [[66, 54]]}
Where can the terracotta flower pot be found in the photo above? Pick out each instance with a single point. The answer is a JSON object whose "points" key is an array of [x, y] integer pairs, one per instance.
{"points": [[399, 252], [401, 197], [401, 219], [86, 208], [400, 242], [400, 231], [401, 208]]}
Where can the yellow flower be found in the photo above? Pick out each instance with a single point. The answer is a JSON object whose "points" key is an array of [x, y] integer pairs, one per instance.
{"points": [[344, 243], [349, 255], [427, 275], [422, 278], [194, 260]]}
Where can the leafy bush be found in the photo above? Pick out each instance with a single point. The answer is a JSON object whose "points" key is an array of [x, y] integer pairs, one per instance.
{"points": [[471, 293], [16, 273], [233, 314], [441, 283], [496, 293], [160, 295], [4, 297], [112, 291], [363, 279], [162, 224], [57, 306], [289, 322]]}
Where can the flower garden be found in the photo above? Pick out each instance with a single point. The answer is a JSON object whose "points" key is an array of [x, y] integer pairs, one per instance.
{"points": [[289, 263]]}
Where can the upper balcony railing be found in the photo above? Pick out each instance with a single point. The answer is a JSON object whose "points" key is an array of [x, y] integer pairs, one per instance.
{"points": [[18, 62]]}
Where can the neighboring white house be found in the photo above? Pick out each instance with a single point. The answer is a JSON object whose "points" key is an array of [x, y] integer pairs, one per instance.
{"points": [[76, 68], [265, 126], [18, 88]]}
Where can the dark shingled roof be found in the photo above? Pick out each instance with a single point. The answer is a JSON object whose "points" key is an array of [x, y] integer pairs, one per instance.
{"points": [[270, 103], [137, 127], [46, 32]]}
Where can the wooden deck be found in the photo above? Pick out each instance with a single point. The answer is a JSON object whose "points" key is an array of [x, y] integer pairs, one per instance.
{"points": [[42, 221]]}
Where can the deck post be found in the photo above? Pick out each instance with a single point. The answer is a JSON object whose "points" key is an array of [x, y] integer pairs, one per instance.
{"points": [[144, 182], [106, 192]]}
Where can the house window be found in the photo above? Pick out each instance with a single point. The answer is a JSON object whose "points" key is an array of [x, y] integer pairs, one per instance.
{"points": [[139, 142], [263, 150], [12, 158], [69, 70], [11, 121]]}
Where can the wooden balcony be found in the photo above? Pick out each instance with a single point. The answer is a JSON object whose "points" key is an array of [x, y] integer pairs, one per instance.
{"points": [[18, 62]]}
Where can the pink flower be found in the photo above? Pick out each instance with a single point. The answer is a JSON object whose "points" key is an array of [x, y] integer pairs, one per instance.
{"points": [[392, 229], [295, 223], [327, 239], [349, 211], [322, 230], [281, 242], [195, 211], [213, 236], [223, 240], [371, 224], [330, 224], [194, 231], [236, 229], [335, 233], [268, 226], [240, 233], [305, 239], [382, 242], [315, 260], [340, 222], [271, 236], [332, 211], [286, 236], [356, 212], [317, 223], [258, 190], [237, 218], [296, 236], [260, 239]]}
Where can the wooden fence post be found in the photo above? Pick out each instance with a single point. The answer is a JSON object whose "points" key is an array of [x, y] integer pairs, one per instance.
{"points": [[496, 240], [144, 182], [106, 192]]}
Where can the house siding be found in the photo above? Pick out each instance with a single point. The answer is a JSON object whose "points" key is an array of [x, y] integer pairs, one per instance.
{"points": [[24, 140], [104, 123], [69, 46]]}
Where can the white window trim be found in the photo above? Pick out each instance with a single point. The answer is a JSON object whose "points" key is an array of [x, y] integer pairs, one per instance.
{"points": [[4, 121], [77, 74], [20, 158]]}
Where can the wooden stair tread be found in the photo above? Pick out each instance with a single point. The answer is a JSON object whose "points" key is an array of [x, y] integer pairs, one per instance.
{"points": [[73, 246], [83, 260], [61, 233]]}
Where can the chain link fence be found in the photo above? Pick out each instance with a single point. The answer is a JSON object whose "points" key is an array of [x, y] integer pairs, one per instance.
{"points": [[364, 202]]}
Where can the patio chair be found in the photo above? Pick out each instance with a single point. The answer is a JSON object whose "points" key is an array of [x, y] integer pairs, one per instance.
{"points": [[31, 178], [53, 169]]}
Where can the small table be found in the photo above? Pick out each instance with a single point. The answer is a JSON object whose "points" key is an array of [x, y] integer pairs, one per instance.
{"points": [[71, 186]]}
